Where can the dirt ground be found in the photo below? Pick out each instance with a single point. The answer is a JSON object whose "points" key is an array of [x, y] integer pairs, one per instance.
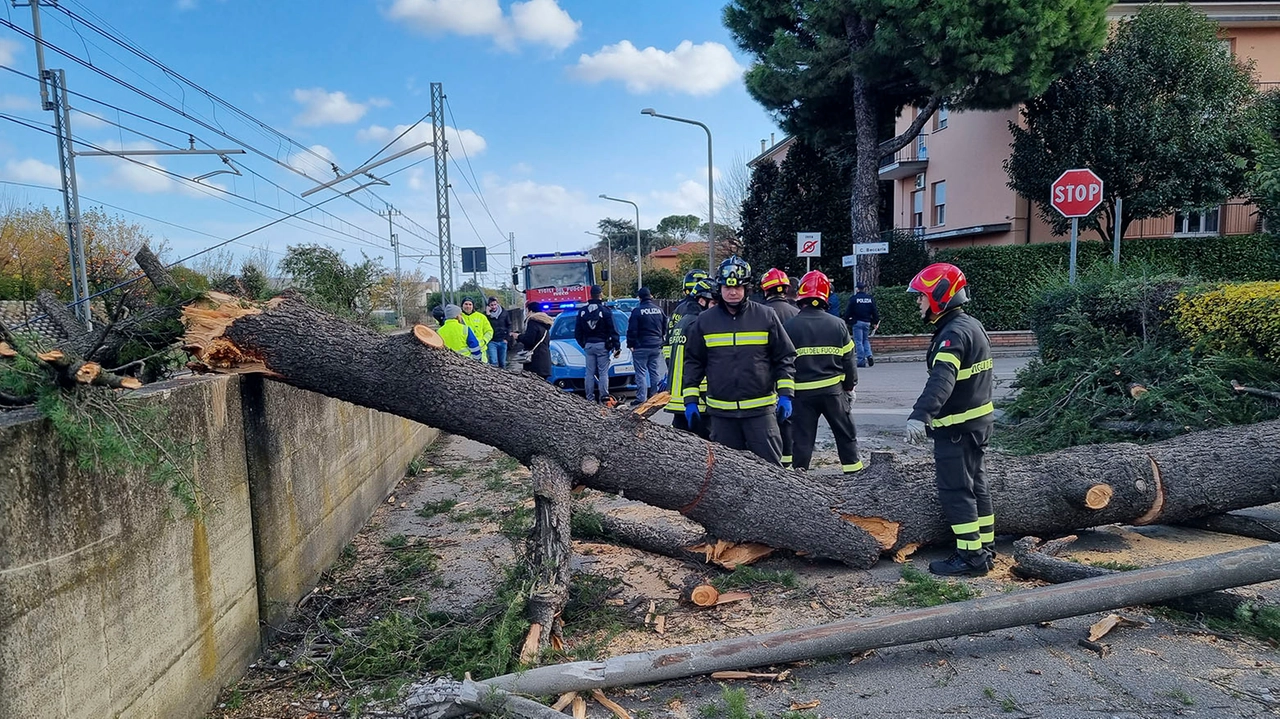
{"points": [[447, 535]]}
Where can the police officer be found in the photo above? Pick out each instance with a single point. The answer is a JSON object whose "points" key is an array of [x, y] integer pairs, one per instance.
{"points": [[704, 297], [955, 408], [741, 349], [863, 319], [688, 304], [825, 375]]}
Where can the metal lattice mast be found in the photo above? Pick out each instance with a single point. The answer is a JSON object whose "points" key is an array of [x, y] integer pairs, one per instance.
{"points": [[70, 195], [442, 190]]}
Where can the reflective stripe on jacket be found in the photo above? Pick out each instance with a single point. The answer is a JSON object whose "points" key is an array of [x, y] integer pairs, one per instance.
{"points": [[674, 351], [747, 360], [479, 324], [825, 358], [458, 337], [957, 397]]}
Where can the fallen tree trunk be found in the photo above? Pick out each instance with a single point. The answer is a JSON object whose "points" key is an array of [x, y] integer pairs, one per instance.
{"points": [[1040, 562], [733, 494], [1257, 523], [1001, 611]]}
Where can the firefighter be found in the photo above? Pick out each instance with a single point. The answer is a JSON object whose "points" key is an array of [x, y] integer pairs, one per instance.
{"points": [[704, 297], [775, 285], [688, 304], [825, 375], [955, 409], [739, 346]]}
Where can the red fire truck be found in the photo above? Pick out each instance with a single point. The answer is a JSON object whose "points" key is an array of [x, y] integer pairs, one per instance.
{"points": [[556, 281]]}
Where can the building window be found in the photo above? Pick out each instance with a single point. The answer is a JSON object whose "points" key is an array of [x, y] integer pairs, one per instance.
{"points": [[940, 118], [922, 150], [1228, 46], [917, 208], [1196, 222], [940, 203]]}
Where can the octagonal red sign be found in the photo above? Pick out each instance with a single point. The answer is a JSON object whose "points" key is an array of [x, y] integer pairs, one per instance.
{"points": [[1076, 193]]}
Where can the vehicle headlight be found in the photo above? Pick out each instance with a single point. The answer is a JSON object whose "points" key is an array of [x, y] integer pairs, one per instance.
{"points": [[557, 357]]}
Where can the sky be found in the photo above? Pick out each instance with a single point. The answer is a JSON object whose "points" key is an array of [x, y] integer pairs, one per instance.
{"points": [[543, 110]]}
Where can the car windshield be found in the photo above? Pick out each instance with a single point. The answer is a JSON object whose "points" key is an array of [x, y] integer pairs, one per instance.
{"points": [[564, 324], [557, 274]]}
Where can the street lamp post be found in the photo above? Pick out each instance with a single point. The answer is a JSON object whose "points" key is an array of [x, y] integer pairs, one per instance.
{"points": [[608, 239], [711, 192], [639, 249]]}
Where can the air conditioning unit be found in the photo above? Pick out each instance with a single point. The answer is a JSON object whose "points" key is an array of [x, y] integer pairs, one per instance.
{"points": [[920, 181]]}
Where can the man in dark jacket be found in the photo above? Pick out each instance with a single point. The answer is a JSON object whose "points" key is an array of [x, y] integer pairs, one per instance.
{"points": [[500, 320], [688, 305], [646, 335], [955, 408], [535, 341], [825, 376], [863, 319], [749, 364], [597, 335]]}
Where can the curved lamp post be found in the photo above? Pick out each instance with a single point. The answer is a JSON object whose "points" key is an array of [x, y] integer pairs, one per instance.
{"points": [[639, 249], [711, 193]]}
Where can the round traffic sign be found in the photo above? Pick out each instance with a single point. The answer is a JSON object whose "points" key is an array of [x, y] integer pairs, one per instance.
{"points": [[1076, 193]]}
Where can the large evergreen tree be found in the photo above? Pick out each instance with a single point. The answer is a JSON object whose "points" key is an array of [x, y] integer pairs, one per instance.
{"points": [[837, 72], [1159, 115]]}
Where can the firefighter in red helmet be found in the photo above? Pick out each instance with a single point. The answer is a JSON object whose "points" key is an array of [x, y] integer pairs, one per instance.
{"points": [[955, 409], [825, 375]]}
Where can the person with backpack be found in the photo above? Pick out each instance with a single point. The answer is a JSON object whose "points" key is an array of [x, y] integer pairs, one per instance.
{"points": [[597, 335]]}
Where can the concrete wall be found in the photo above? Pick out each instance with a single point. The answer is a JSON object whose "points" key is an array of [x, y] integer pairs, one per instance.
{"points": [[114, 603]]}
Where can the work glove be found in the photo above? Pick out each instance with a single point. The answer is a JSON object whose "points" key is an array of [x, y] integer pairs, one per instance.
{"points": [[784, 408], [692, 415], [916, 431]]}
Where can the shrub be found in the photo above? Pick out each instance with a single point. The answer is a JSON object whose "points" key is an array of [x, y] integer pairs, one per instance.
{"points": [[1237, 318], [898, 312]]}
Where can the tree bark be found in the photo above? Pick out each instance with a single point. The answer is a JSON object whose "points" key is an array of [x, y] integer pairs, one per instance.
{"points": [[734, 495], [1255, 524], [550, 547], [1000, 611], [68, 324], [1038, 563]]}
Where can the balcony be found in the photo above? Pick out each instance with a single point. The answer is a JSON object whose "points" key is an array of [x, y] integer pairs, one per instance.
{"points": [[907, 162]]}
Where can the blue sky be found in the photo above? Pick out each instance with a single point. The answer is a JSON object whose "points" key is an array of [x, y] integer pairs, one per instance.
{"points": [[545, 96]]}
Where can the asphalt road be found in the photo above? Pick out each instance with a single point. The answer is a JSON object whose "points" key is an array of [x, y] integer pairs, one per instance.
{"points": [[887, 391]]}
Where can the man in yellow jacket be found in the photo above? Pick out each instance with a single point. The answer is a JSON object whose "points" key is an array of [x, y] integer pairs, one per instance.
{"points": [[479, 324], [458, 336]]}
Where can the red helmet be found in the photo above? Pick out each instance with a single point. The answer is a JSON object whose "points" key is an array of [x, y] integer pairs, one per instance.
{"points": [[814, 286], [943, 284], [774, 278]]}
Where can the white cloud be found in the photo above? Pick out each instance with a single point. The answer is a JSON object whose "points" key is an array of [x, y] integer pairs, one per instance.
{"points": [[313, 166], [146, 176], [459, 140], [83, 121], [33, 171], [690, 69], [320, 107], [689, 198], [539, 22], [8, 51], [17, 102]]}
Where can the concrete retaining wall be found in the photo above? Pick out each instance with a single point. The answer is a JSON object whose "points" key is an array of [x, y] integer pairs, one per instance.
{"points": [[114, 603]]}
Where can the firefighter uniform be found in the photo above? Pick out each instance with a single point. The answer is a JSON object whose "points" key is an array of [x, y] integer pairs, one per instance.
{"points": [[825, 377], [747, 361], [674, 350], [957, 410], [689, 305]]}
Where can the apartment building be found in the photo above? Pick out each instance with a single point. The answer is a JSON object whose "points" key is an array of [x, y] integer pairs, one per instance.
{"points": [[949, 184]]}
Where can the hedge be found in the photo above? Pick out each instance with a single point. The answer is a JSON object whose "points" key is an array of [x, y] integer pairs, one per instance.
{"points": [[1237, 318], [898, 312], [1005, 279]]}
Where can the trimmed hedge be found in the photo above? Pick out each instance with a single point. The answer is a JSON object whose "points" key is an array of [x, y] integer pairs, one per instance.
{"points": [[1004, 280], [898, 312], [1238, 318]]}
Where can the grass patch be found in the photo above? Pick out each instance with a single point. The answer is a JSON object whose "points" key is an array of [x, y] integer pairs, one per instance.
{"points": [[732, 705], [586, 523], [395, 541], [415, 642], [346, 559], [1180, 695], [1250, 620], [589, 620], [745, 576], [473, 514], [443, 506], [1114, 565], [517, 523], [921, 590], [411, 563]]}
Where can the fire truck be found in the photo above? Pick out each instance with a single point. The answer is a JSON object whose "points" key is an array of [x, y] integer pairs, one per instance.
{"points": [[556, 281]]}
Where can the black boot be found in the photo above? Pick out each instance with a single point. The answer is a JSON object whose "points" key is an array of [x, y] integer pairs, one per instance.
{"points": [[963, 563], [990, 549], [871, 361]]}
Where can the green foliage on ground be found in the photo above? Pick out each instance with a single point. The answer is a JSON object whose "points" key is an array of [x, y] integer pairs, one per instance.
{"points": [[918, 589], [745, 576], [1114, 367]]}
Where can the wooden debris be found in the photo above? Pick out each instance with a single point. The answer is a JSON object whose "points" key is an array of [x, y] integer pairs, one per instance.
{"points": [[6, 351], [652, 406], [805, 706], [565, 700], [529, 652], [731, 555], [860, 656], [752, 676], [903, 554], [652, 613], [609, 704], [728, 597], [704, 595], [428, 336], [1111, 621], [579, 707], [660, 624], [50, 356], [1254, 391]]}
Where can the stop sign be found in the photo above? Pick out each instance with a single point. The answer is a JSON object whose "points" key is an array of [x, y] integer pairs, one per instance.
{"points": [[1076, 193]]}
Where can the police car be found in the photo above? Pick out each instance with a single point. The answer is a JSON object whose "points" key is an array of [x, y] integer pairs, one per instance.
{"points": [[569, 362]]}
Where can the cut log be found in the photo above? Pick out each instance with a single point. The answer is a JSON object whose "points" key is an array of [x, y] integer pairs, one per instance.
{"points": [[1034, 562], [1254, 391], [704, 595], [734, 495], [1256, 523], [62, 316], [550, 547], [999, 611]]}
